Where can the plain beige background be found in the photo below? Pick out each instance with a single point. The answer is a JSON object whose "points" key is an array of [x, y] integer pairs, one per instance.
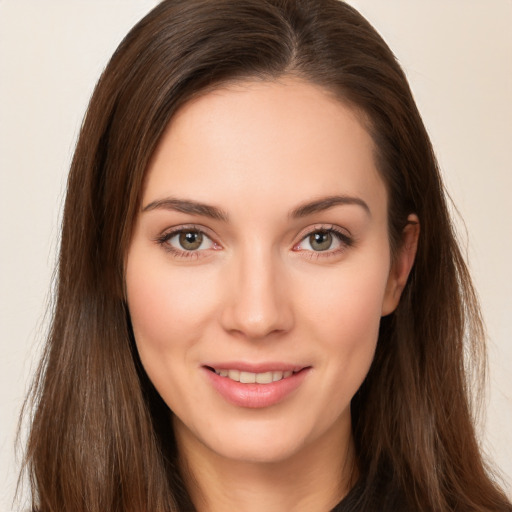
{"points": [[458, 57]]}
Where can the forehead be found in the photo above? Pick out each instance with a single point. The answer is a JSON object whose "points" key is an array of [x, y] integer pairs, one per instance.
{"points": [[260, 141]]}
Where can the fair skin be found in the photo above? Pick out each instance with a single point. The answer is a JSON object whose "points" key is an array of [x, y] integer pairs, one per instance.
{"points": [[262, 247]]}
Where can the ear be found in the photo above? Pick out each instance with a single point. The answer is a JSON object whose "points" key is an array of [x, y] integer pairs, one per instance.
{"points": [[402, 265]]}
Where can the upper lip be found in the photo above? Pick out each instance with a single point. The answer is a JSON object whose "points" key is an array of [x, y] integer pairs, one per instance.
{"points": [[243, 366]]}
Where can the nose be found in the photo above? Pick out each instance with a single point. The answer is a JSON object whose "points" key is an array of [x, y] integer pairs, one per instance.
{"points": [[259, 303]]}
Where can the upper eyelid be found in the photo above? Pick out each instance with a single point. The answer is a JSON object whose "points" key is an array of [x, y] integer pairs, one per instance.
{"points": [[303, 233], [169, 232]]}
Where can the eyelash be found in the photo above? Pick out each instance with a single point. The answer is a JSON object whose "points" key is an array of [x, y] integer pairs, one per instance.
{"points": [[345, 241], [183, 254]]}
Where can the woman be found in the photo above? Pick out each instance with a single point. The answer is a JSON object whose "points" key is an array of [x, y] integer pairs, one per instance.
{"points": [[260, 301]]}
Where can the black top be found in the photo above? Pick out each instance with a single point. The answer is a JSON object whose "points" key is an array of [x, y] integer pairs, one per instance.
{"points": [[386, 498]]}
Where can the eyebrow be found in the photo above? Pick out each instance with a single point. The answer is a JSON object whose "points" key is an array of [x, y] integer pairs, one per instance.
{"points": [[186, 206], [206, 210], [325, 203]]}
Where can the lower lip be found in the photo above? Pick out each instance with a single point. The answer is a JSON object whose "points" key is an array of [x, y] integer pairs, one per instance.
{"points": [[256, 396]]}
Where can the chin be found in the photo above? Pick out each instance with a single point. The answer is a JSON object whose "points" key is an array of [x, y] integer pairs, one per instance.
{"points": [[258, 451], [265, 441]]}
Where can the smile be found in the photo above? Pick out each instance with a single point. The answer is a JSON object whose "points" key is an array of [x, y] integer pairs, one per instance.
{"points": [[266, 385], [254, 378]]}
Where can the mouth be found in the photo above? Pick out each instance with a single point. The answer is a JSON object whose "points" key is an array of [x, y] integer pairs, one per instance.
{"points": [[266, 385], [246, 377]]}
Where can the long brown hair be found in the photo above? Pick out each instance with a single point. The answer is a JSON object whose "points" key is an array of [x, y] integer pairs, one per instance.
{"points": [[101, 439]]}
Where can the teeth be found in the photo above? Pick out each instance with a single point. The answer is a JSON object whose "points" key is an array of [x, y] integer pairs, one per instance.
{"points": [[264, 378], [277, 376], [234, 375], [251, 378], [247, 377]]}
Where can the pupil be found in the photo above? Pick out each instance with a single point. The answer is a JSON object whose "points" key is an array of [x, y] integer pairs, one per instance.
{"points": [[321, 241], [191, 240]]}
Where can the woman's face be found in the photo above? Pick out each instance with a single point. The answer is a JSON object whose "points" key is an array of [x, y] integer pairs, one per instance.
{"points": [[260, 267]]}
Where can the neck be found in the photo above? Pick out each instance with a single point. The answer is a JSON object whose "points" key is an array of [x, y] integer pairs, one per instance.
{"points": [[314, 479]]}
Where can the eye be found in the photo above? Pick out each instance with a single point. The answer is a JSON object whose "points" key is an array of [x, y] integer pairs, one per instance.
{"points": [[320, 241], [187, 240], [328, 240]]}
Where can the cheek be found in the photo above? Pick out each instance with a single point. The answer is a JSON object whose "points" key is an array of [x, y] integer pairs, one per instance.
{"points": [[350, 298], [161, 297], [345, 319], [167, 309], [352, 332]]}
